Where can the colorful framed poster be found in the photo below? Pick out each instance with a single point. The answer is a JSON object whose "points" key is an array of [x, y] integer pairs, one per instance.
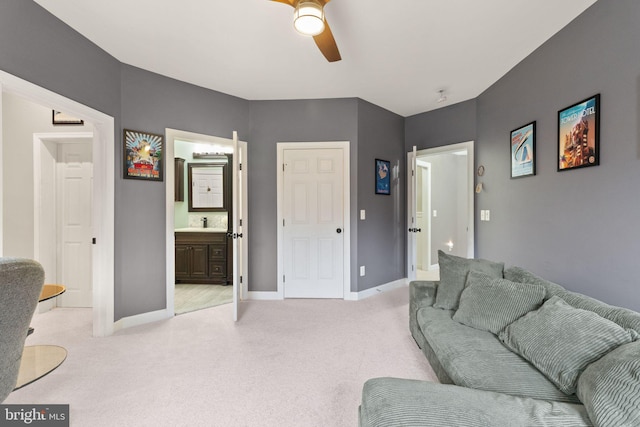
{"points": [[142, 155], [383, 177], [579, 135], [60, 118], [523, 151]]}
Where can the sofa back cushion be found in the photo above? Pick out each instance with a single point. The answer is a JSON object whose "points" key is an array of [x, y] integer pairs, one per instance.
{"points": [[561, 341], [610, 388], [491, 304], [625, 318], [453, 276]]}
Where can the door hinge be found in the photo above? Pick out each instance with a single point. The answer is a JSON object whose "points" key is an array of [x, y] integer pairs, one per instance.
{"points": [[240, 166], [283, 278], [283, 222], [283, 167], [240, 222], [240, 279], [93, 240]]}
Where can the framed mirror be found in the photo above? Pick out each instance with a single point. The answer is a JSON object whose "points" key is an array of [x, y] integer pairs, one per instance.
{"points": [[209, 187]]}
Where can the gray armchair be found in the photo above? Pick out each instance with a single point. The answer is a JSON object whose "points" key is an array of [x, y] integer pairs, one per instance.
{"points": [[21, 281]]}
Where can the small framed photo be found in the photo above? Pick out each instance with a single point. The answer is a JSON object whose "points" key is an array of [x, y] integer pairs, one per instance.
{"points": [[60, 118], [143, 154], [523, 151], [579, 135], [383, 177]]}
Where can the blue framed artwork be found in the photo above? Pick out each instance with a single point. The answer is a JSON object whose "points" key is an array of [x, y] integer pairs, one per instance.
{"points": [[523, 151], [383, 177]]}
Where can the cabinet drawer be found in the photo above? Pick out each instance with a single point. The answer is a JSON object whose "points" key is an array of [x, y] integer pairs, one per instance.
{"points": [[217, 269], [218, 252]]}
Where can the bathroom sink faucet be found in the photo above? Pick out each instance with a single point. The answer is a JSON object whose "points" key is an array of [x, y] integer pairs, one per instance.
{"points": [[204, 221]]}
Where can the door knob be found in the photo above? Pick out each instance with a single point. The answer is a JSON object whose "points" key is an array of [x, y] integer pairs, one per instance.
{"points": [[339, 230]]}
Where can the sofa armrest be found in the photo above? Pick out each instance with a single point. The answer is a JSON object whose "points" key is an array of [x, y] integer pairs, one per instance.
{"points": [[421, 294], [410, 403]]}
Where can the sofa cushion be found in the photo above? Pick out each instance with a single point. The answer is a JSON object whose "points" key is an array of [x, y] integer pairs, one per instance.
{"points": [[624, 317], [453, 276], [561, 341], [477, 359], [610, 388], [395, 402], [491, 304]]}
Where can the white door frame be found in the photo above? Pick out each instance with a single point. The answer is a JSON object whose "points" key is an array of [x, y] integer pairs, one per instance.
{"points": [[426, 171], [169, 155], [469, 146], [103, 191], [346, 271], [39, 209]]}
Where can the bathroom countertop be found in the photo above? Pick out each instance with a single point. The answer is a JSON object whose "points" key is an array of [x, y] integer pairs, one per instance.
{"points": [[200, 230]]}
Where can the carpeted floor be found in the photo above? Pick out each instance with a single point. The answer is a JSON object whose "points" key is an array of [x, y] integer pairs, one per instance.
{"points": [[285, 363]]}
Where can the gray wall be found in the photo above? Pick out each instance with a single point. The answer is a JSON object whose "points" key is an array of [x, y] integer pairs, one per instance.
{"points": [[449, 125], [290, 121], [151, 102], [38, 47], [579, 227], [381, 240]]}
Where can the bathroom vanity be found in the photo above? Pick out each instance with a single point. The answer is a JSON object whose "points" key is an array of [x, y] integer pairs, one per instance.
{"points": [[202, 256]]}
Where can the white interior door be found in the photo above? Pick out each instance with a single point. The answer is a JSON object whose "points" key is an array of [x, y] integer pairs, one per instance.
{"points": [[74, 201], [239, 223], [313, 223], [412, 215]]}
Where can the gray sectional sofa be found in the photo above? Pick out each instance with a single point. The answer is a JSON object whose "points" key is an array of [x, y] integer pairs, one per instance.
{"points": [[511, 349]]}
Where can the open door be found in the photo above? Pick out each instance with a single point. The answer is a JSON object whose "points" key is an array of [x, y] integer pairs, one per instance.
{"points": [[239, 222], [412, 213]]}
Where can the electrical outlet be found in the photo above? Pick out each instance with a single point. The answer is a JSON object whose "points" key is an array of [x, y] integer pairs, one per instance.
{"points": [[482, 215], [362, 214], [362, 270], [487, 215], [435, 213]]}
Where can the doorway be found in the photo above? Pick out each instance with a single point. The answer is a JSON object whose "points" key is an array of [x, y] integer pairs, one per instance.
{"points": [[63, 181], [103, 156], [440, 207], [229, 226], [313, 220]]}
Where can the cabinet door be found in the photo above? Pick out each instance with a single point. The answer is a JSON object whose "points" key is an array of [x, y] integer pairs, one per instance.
{"points": [[182, 261], [199, 261]]}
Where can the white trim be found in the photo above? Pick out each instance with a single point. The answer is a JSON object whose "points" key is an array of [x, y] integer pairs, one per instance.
{"points": [[40, 211], [357, 296], [264, 296], [141, 319], [344, 145], [171, 136], [469, 146], [1, 174], [104, 149]]}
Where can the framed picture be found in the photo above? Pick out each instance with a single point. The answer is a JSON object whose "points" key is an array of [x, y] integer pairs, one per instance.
{"points": [[60, 118], [383, 177], [142, 155], [579, 134], [523, 151]]}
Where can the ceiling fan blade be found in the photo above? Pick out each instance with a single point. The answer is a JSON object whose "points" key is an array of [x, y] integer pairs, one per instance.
{"points": [[327, 44]]}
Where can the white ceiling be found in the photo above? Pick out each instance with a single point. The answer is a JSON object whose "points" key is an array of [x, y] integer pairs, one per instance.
{"points": [[396, 54]]}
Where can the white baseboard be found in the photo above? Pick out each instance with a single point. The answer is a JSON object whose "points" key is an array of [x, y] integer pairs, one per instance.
{"points": [[141, 319], [264, 296], [356, 296]]}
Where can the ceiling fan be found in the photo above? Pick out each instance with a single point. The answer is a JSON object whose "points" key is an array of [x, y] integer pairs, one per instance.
{"points": [[308, 19]]}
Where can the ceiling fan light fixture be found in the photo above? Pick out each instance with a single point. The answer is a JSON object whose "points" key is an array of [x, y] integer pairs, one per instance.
{"points": [[308, 18]]}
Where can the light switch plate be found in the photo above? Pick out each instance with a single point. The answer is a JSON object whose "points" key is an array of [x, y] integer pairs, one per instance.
{"points": [[362, 214]]}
